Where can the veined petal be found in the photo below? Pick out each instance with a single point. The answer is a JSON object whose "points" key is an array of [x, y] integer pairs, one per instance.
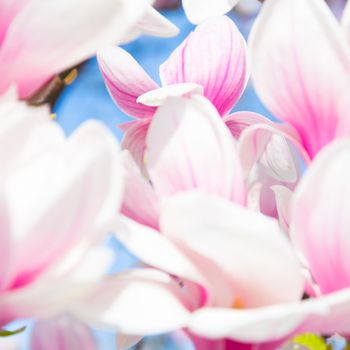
{"points": [[293, 44], [243, 243], [43, 47], [319, 219], [140, 202], [199, 10], [126, 81], [213, 56], [63, 332], [189, 147]]}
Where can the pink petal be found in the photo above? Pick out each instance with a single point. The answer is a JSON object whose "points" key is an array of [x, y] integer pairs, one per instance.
{"points": [[36, 47], [244, 244], [140, 202], [319, 219], [189, 147], [294, 43], [62, 333], [213, 56], [134, 140], [126, 81]]}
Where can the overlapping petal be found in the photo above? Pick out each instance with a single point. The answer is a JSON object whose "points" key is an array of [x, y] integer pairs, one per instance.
{"points": [[244, 244]]}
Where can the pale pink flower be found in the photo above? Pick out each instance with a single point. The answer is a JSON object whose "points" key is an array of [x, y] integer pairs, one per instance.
{"points": [[211, 60], [39, 39], [58, 200]]}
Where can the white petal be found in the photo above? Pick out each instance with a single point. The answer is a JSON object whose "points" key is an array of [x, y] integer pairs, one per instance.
{"points": [[199, 10], [156, 98]]}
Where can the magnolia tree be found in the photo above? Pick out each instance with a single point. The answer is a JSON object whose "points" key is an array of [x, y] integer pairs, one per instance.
{"points": [[240, 223]]}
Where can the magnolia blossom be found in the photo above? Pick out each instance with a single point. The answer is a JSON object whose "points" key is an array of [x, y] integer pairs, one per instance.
{"points": [[210, 162], [39, 39], [212, 252], [211, 60], [225, 272], [301, 71], [221, 75], [58, 200]]}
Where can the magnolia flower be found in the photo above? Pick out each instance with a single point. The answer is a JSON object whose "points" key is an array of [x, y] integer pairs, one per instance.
{"points": [[225, 272], [211, 60], [58, 200], [196, 261], [39, 39], [210, 162], [301, 71]]}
